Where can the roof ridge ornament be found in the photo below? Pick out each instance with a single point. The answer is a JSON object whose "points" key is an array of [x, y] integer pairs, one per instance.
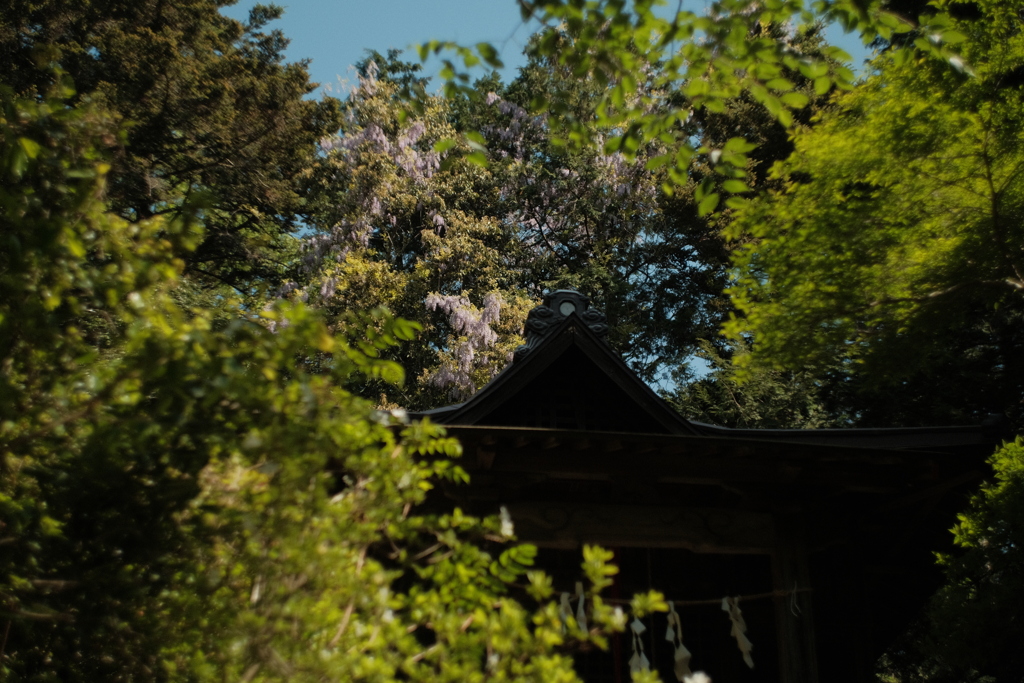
{"points": [[558, 306]]}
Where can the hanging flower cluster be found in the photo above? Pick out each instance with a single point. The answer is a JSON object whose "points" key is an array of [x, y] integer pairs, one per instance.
{"points": [[519, 134], [355, 154], [418, 165], [472, 326]]}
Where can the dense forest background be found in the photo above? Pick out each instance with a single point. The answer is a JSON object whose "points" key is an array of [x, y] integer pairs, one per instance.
{"points": [[219, 295]]}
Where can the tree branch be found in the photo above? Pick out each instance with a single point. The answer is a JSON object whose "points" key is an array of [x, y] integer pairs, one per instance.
{"points": [[1013, 283], [41, 616]]}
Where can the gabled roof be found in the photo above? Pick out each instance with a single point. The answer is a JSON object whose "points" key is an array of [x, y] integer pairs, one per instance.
{"points": [[567, 377]]}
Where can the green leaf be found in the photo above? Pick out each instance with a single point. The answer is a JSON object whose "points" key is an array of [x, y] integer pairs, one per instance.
{"points": [[837, 54], [476, 141], [657, 162], [477, 158], [406, 329], [845, 77], [30, 146], [716, 105], [779, 84], [390, 372], [489, 55], [18, 163], [739, 146], [696, 88], [773, 105], [795, 100], [814, 69], [444, 144], [75, 247], [708, 204]]}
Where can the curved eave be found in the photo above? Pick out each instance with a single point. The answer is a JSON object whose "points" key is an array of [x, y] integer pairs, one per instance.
{"points": [[981, 439]]}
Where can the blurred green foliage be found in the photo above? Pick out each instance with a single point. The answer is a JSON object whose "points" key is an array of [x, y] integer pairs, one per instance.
{"points": [[895, 241], [190, 497], [637, 51]]}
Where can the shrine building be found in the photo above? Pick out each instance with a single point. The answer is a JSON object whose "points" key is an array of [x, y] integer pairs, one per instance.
{"points": [[826, 535]]}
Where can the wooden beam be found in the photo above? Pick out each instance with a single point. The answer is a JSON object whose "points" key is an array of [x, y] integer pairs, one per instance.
{"points": [[567, 463], [703, 530], [939, 489]]}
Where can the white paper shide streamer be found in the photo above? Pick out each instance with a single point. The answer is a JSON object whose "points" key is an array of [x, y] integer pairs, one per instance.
{"points": [[674, 635], [581, 612], [639, 661], [739, 628]]}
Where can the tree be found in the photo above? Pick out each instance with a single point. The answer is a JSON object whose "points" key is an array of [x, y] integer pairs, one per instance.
{"points": [[636, 51], [972, 628], [210, 110], [896, 241], [588, 220], [463, 248], [197, 500], [393, 227], [599, 221], [398, 225], [765, 398]]}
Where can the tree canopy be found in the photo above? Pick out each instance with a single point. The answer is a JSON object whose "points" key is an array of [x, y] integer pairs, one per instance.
{"points": [[210, 109], [638, 51], [402, 215], [896, 240]]}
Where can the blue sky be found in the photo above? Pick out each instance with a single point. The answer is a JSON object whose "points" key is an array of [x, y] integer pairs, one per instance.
{"points": [[336, 33]]}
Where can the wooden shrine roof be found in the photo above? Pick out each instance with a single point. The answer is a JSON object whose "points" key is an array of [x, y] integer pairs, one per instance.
{"points": [[567, 378]]}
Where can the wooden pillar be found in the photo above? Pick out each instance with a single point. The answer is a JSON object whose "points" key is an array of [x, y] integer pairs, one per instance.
{"points": [[794, 618]]}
